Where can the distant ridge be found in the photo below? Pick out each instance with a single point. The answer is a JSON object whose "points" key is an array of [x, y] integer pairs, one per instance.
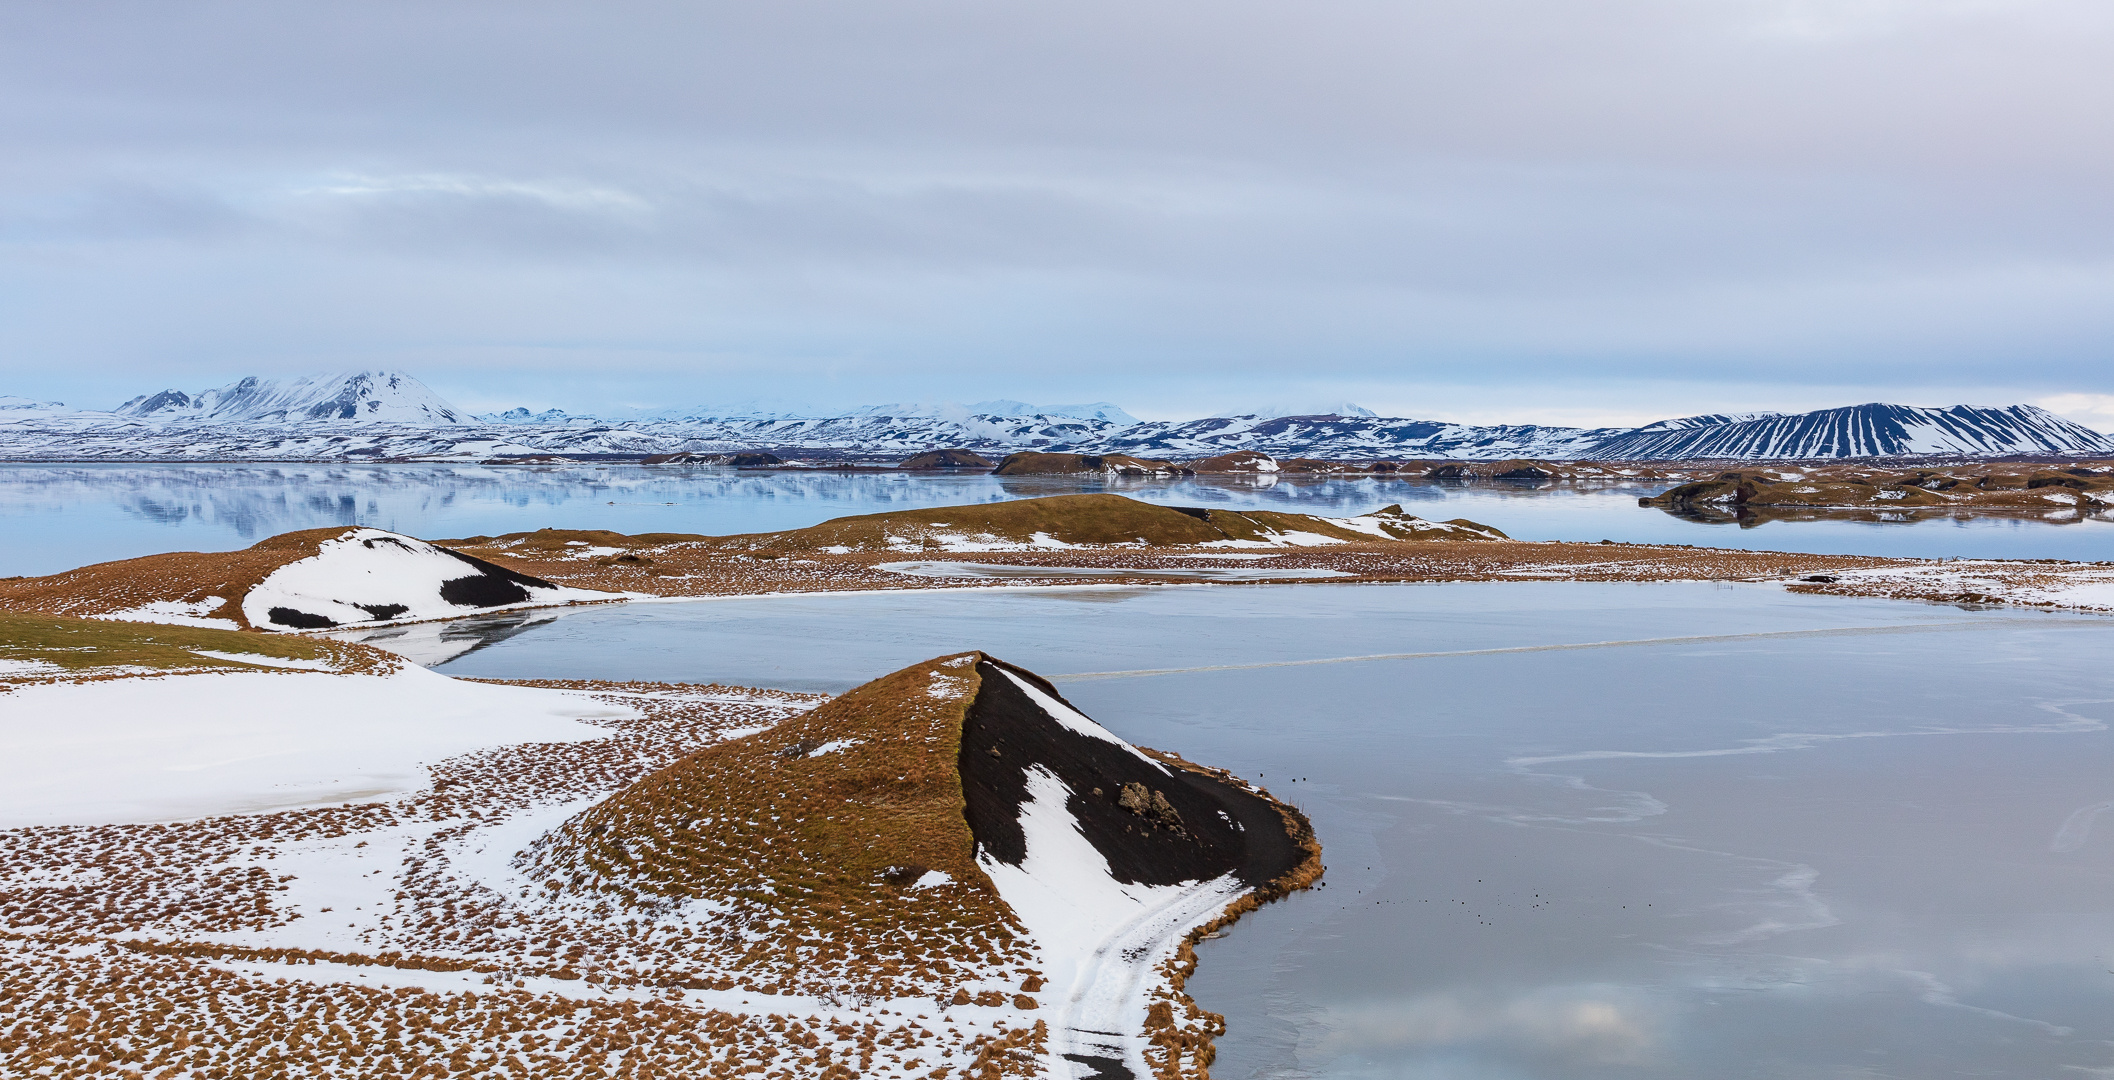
{"points": [[390, 415]]}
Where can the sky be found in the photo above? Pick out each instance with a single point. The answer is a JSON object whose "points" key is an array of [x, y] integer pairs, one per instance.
{"points": [[1549, 211]]}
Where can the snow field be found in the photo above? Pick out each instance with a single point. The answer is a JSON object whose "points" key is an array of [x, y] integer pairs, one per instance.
{"points": [[194, 745]]}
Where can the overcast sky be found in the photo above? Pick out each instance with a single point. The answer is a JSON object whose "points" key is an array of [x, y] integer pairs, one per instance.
{"points": [[1591, 211]]}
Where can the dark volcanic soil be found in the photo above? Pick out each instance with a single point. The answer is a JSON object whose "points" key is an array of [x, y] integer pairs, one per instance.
{"points": [[1155, 825]]}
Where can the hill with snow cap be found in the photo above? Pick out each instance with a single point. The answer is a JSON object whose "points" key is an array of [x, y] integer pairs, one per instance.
{"points": [[1023, 857], [309, 580], [368, 575]]}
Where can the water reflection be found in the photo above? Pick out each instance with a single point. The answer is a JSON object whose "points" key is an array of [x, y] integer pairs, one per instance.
{"points": [[1812, 837], [60, 516], [1752, 517]]}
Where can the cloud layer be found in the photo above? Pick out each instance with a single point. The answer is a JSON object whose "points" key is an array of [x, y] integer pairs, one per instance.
{"points": [[1523, 208]]}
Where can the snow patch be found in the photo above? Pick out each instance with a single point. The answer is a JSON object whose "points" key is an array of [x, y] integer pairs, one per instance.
{"points": [[175, 747], [174, 613], [1100, 939], [369, 576]]}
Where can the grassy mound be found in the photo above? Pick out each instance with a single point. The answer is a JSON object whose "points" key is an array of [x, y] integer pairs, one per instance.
{"points": [[825, 831], [946, 459], [182, 577], [1077, 520]]}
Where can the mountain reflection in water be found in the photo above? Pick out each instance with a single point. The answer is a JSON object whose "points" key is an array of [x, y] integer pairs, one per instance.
{"points": [[61, 516]]}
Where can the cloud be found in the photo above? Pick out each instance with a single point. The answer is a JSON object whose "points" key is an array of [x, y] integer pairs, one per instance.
{"points": [[1069, 201], [2095, 411]]}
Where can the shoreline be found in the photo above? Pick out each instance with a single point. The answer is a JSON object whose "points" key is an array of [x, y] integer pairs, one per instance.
{"points": [[1183, 1030]]}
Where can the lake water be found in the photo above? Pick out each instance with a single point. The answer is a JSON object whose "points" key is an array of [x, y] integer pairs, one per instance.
{"points": [[55, 517], [1572, 830]]}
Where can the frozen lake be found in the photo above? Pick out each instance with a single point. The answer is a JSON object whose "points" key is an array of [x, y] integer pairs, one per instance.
{"points": [[1573, 830], [56, 517]]}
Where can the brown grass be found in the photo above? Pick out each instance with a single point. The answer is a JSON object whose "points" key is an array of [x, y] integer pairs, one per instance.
{"points": [[829, 844], [183, 576], [94, 647]]}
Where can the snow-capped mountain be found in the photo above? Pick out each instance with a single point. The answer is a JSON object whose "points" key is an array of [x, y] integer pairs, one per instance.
{"points": [[1332, 435], [10, 403], [389, 397], [949, 410], [520, 415], [1684, 423], [381, 415], [1873, 430]]}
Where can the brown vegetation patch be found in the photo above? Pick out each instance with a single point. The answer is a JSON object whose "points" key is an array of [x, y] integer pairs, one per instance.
{"points": [[1036, 463], [823, 823], [181, 577], [100, 648], [946, 459]]}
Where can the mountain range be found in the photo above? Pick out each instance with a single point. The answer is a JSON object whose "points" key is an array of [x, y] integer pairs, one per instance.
{"points": [[370, 415]]}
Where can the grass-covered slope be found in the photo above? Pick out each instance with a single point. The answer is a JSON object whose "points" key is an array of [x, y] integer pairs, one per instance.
{"points": [[202, 587], [838, 836], [1054, 522], [36, 646], [954, 831]]}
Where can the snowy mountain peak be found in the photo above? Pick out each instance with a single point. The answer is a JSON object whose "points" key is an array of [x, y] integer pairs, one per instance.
{"points": [[1340, 408], [521, 415], [389, 397], [1003, 407], [10, 402], [1685, 423]]}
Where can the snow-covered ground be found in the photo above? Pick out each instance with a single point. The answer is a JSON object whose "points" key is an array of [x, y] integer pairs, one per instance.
{"points": [[200, 744]]}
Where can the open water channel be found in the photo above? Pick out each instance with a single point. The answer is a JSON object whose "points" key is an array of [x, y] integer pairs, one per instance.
{"points": [[56, 517], [1572, 830]]}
